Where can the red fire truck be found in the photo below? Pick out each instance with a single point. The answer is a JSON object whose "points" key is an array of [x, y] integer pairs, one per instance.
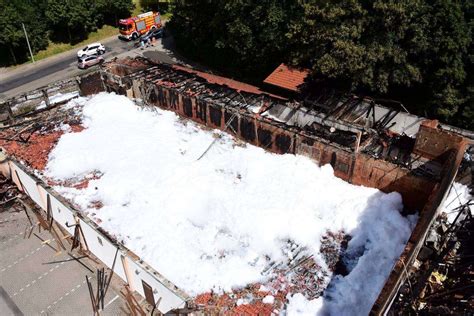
{"points": [[134, 27]]}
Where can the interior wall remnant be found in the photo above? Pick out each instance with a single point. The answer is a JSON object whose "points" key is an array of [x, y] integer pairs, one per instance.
{"points": [[381, 174], [419, 191], [215, 116], [355, 167], [91, 84], [426, 217], [434, 143]]}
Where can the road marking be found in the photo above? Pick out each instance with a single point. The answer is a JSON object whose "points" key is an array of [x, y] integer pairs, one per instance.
{"points": [[21, 259], [111, 301], [61, 298], [12, 238], [39, 278], [10, 217]]}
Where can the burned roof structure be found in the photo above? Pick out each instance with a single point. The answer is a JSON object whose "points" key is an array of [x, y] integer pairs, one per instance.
{"points": [[366, 143]]}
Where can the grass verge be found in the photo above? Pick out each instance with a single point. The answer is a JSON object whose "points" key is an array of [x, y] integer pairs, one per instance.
{"points": [[57, 48], [139, 9], [104, 32]]}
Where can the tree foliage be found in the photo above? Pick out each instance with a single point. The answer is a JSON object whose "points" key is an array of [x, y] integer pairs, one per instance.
{"points": [[162, 6], [57, 20], [80, 17], [110, 12], [12, 37], [233, 36], [361, 43], [77, 18], [416, 51]]}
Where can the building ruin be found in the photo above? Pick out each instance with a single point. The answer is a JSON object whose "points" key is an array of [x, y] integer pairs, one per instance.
{"points": [[366, 144]]}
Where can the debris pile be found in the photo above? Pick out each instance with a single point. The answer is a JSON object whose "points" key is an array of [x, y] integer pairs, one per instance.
{"points": [[31, 138], [8, 193], [299, 274], [230, 192], [442, 279]]}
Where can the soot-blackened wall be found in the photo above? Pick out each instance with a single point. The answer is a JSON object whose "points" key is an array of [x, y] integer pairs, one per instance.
{"points": [[276, 137]]}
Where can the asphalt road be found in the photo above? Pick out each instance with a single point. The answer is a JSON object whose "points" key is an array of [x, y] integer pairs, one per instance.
{"points": [[61, 66], [36, 280]]}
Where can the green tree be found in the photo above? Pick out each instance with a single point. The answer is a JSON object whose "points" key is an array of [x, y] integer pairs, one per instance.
{"points": [[415, 51], [465, 114], [444, 59], [364, 44], [76, 17], [411, 50], [13, 47], [240, 38], [162, 6], [12, 34], [109, 12]]}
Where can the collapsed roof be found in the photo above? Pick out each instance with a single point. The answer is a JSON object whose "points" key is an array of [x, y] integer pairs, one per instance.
{"points": [[356, 136]]}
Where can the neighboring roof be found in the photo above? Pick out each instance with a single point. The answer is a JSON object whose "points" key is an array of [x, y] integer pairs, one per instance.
{"points": [[287, 77]]}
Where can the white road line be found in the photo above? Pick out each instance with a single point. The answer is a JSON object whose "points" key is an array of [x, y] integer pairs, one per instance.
{"points": [[12, 238], [111, 301], [65, 294], [40, 277], [22, 258], [10, 217]]}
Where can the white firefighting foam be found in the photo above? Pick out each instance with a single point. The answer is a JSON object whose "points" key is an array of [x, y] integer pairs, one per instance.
{"points": [[213, 223]]}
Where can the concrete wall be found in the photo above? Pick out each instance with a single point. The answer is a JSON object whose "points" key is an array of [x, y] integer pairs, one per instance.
{"points": [[26, 103]]}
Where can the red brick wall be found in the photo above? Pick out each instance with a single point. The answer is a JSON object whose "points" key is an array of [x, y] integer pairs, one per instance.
{"points": [[388, 177], [361, 169], [433, 143]]}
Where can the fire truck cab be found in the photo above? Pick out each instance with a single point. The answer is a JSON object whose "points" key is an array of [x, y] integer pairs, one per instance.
{"points": [[134, 27]]}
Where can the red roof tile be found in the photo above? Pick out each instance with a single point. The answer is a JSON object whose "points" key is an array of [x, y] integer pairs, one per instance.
{"points": [[287, 77]]}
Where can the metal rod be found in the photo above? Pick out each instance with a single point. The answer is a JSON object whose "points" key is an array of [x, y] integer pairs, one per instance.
{"points": [[91, 294], [111, 273]]}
